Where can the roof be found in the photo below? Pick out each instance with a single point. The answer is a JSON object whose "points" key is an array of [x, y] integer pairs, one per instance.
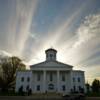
{"points": [[51, 64], [51, 49], [78, 71]]}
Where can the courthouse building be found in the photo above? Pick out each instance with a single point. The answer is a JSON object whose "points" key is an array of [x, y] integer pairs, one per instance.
{"points": [[50, 76]]}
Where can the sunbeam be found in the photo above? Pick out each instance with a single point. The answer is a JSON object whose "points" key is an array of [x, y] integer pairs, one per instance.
{"points": [[28, 27]]}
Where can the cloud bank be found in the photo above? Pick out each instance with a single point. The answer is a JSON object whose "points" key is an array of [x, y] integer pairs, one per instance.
{"points": [[27, 28], [88, 30]]}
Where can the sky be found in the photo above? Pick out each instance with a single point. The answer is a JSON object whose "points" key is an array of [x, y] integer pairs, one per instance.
{"points": [[72, 27]]}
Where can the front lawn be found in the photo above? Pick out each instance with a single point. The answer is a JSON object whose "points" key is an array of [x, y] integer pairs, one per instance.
{"points": [[93, 94]]}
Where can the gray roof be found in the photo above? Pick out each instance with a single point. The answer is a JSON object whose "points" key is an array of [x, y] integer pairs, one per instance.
{"points": [[51, 49], [51, 64]]}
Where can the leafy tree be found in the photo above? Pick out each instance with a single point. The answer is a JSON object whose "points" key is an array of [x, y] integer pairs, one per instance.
{"points": [[8, 72], [96, 86], [87, 87]]}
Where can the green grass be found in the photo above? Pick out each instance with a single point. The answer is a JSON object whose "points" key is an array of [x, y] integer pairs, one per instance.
{"points": [[91, 94], [10, 93]]}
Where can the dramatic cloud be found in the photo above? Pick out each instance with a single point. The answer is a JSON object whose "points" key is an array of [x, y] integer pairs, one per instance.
{"points": [[17, 26], [59, 33], [28, 27], [86, 49], [88, 30]]}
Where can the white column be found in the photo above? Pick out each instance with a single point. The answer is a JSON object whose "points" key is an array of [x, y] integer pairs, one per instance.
{"points": [[71, 80], [44, 81], [33, 82], [58, 86]]}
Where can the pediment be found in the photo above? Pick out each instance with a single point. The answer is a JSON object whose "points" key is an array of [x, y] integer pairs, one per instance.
{"points": [[51, 64]]}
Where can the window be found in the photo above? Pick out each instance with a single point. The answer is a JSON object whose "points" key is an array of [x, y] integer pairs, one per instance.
{"points": [[51, 86], [20, 88], [78, 79], [28, 79], [74, 87], [79, 87], [63, 88], [38, 77], [22, 79], [51, 77], [73, 79], [81, 90], [63, 77], [38, 87], [51, 56], [27, 88]]}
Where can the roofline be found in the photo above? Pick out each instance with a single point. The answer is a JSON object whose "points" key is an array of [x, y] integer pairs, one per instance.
{"points": [[24, 70], [36, 64], [78, 70], [51, 61], [51, 49], [64, 63]]}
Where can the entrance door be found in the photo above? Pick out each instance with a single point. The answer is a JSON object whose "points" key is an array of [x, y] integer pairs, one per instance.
{"points": [[51, 88]]}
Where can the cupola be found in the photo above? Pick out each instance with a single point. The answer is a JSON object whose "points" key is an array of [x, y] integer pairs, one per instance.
{"points": [[51, 54]]}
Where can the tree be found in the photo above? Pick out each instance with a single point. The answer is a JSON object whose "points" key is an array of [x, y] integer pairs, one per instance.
{"points": [[87, 87], [8, 72], [96, 86]]}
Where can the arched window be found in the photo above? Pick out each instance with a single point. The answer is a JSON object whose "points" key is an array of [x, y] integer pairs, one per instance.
{"points": [[74, 87], [51, 86], [51, 56], [27, 88], [73, 79], [28, 79], [20, 88], [63, 87], [22, 79], [79, 87], [78, 79], [38, 87]]}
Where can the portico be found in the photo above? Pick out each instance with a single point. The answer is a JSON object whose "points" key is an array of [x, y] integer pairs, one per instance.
{"points": [[52, 80]]}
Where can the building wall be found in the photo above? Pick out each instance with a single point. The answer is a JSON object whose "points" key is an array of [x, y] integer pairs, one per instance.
{"points": [[78, 80], [25, 82], [66, 82], [37, 82]]}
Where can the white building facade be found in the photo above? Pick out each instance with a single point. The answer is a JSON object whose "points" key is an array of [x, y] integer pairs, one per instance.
{"points": [[50, 76]]}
